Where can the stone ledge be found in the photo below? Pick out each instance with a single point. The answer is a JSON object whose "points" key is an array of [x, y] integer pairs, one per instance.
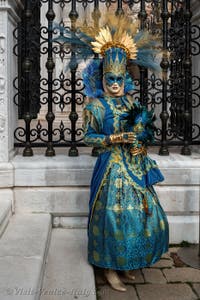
{"points": [[23, 250], [74, 200], [62, 170], [183, 228], [6, 175], [71, 222]]}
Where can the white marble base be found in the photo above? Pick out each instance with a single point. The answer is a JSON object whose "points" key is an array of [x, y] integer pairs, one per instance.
{"points": [[5, 214], [62, 170], [23, 250], [60, 185], [74, 200], [7, 195], [183, 199], [56, 200], [68, 270], [183, 228], [70, 222], [6, 175]]}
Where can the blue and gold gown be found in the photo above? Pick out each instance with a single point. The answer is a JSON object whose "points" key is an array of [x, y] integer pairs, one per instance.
{"points": [[127, 227]]}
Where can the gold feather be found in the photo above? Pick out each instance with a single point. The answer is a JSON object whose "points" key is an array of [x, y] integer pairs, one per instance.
{"points": [[123, 37]]}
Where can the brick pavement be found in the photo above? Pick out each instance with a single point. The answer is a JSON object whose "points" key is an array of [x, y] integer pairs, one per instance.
{"points": [[168, 279]]}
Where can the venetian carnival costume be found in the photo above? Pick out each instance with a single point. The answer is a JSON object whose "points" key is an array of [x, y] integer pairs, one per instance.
{"points": [[127, 227]]}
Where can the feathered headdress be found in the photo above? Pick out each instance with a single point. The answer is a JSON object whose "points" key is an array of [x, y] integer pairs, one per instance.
{"points": [[117, 32]]}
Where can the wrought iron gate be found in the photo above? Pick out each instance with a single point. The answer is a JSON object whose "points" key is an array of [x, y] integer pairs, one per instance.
{"points": [[49, 97]]}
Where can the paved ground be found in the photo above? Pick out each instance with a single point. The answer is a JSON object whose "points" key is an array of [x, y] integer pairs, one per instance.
{"points": [[168, 279]]}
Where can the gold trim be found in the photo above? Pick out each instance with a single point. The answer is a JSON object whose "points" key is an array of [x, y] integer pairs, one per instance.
{"points": [[115, 44], [135, 151]]}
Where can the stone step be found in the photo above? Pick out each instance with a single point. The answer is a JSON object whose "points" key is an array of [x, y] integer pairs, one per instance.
{"points": [[23, 251], [5, 214], [68, 275], [181, 228], [73, 201], [69, 207], [63, 170]]}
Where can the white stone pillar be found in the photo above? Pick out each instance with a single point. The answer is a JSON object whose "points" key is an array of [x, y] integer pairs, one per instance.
{"points": [[8, 71]]}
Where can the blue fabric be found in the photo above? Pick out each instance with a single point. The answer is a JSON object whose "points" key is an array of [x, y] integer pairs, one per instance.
{"points": [[127, 227], [97, 177]]}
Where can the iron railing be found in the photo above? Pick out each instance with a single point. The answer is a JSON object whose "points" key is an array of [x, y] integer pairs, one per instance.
{"points": [[45, 88]]}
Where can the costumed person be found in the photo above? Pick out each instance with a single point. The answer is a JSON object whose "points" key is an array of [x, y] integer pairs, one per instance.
{"points": [[127, 227]]}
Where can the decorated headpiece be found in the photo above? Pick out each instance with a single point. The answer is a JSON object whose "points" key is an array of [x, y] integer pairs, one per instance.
{"points": [[117, 41], [114, 61], [106, 40]]}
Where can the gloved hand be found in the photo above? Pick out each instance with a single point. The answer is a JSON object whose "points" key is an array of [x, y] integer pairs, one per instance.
{"points": [[122, 137]]}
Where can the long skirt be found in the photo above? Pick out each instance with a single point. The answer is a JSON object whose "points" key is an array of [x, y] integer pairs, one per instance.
{"points": [[128, 228]]}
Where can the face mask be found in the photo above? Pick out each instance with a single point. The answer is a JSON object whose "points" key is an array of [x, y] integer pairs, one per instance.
{"points": [[111, 78]]}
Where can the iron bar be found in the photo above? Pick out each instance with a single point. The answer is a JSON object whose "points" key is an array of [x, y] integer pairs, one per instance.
{"points": [[143, 71], [27, 65], [187, 114], [165, 65], [50, 66], [73, 151]]}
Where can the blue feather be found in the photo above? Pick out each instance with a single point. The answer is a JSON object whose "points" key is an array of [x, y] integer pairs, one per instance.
{"points": [[92, 79]]}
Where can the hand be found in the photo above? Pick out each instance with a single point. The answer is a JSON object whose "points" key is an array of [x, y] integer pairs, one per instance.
{"points": [[123, 137], [129, 137]]}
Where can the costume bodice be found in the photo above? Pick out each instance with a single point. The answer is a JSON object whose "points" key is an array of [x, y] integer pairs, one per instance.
{"points": [[116, 111]]}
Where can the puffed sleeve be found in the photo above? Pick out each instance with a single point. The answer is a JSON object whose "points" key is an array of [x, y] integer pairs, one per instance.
{"points": [[92, 125]]}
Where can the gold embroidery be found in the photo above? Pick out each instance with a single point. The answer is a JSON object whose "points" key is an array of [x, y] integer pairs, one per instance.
{"points": [[95, 230], [149, 257], [117, 220], [117, 208], [121, 260], [147, 233], [95, 243], [162, 224], [132, 234], [96, 256], [118, 183], [119, 235]]}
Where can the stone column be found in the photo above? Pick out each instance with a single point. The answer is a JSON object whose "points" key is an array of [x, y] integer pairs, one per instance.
{"points": [[8, 71]]}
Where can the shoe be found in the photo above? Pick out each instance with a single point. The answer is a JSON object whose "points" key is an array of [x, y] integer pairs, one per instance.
{"points": [[128, 274], [114, 280]]}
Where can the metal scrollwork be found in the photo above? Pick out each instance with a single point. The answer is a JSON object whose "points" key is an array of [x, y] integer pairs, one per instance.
{"points": [[50, 97], [195, 40]]}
